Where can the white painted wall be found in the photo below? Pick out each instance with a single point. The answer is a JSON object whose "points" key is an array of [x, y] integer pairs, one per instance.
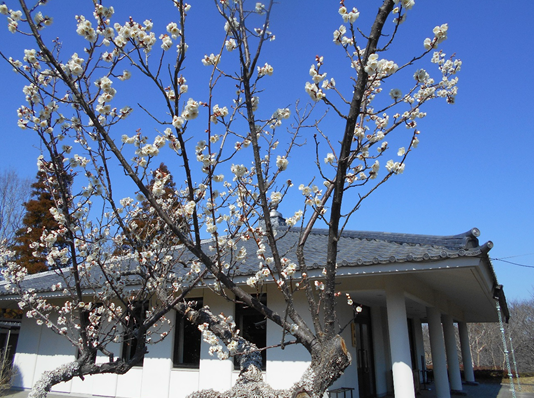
{"points": [[157, 364], [284, 367], [214, 373], [26, 355], [39, 349]]}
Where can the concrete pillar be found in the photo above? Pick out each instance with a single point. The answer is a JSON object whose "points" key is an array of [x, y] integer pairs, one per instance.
{"points": [[437, 346], [399, 341], [419, 347], [455, 377], [379, 351], [469, 375]]}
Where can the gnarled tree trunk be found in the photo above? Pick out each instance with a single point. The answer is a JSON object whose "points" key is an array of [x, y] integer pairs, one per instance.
{"points": [[330, 359]]}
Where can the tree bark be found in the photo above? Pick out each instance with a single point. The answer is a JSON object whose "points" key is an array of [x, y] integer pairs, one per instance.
{"points": [[329, 362]]}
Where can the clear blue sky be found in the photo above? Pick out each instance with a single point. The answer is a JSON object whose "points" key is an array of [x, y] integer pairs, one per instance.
{"points": [[473, 166]]}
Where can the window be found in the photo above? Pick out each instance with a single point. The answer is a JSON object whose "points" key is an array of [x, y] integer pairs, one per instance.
{"points": [[129, 345], [253, 327], [96, 325], [187, 340]]}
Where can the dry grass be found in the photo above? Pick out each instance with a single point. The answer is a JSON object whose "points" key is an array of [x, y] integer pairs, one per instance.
{"points": [[526, 383]]}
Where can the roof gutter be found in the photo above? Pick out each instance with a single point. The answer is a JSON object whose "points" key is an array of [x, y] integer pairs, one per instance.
{"points": [[498, 294]]}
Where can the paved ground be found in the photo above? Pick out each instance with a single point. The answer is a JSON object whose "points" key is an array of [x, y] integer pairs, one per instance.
{"points": [[483, 390]]}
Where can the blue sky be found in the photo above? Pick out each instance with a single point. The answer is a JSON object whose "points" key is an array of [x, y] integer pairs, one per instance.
{"points": [[473, 165]]}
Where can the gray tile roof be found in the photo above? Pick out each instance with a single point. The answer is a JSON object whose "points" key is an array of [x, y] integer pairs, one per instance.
{"points": [[356, 249]]}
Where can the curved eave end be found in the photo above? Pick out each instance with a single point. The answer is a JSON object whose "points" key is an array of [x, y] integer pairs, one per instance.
{"points": [[486, 247]]}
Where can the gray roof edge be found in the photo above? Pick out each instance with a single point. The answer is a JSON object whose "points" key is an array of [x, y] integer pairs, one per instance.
{"points": [[465, 240], [464, 244]]}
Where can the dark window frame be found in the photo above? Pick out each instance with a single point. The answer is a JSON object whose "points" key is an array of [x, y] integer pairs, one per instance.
{"points": [[251, 324], [129, 346], [187, 344]]}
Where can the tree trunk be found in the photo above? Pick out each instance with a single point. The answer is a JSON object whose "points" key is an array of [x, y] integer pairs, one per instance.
{"points": [[53, 377], [329, 362]]}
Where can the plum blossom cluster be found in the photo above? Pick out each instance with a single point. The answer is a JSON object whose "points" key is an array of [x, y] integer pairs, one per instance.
{"points": [[440, 35], [289, 268], [108, 93], [340, 38], [278, 116], [405, 5], [348, 16], [293, 220], [211, 60], [313, 197], [380, 68], [216, 347], [281, 162], [313, 89], [218, 114], [395, 167], [265, 70], [13, 273], [258, 278], [13, 17]]}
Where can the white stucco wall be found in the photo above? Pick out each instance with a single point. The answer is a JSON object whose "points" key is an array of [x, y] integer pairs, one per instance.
{"points": [[26, 354], [39, 349], [286, 366]]}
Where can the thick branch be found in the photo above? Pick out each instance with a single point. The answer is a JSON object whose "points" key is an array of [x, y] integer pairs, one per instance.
{"points": [[343, 165]]}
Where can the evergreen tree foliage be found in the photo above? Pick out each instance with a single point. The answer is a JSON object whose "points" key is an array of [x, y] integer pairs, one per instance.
{"points": [[147, 225], [36, 219]]}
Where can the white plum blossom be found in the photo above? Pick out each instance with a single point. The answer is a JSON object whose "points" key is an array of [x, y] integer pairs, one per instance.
{"points": [[340, 38], [440, 35], [218, 113], [166, 42], [211, 59], [255, 102], [233, 23], [374, 170], [125, 75], [292, 221], [230, 45], [75, 65], [406, 4], [238, 170], [278, 115], [330, 158], [421, 76], [395, 167], [381, 67], [396, 94], [276, 197], [85, 29], [349, 16], [173, 30], [314, 91], [260, 8], [191, 109], [281, 162], [316, 76], [265, 70], [149, 150]]}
